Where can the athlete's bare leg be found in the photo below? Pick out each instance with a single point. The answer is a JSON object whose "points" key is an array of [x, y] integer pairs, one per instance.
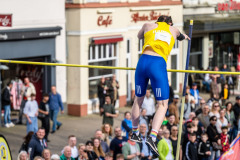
{"points": [[160, 114], [138, 101]]}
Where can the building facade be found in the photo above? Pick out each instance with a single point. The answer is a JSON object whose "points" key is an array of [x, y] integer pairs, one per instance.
{"points": [[104, 32], [216, 30], [34, 31]]}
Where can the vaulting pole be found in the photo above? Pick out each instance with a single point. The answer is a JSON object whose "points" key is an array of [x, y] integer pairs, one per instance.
{"points": [[184, 91]]}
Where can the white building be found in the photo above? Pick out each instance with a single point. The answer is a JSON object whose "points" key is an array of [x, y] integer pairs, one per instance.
{"points": [[36, 33], [104, 32]]}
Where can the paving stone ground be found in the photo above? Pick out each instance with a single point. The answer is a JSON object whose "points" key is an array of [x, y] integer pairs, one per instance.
{"points": [[82, 127]]}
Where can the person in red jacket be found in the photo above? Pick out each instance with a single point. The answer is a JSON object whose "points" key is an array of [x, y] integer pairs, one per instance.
{"points": [[224, 139]]}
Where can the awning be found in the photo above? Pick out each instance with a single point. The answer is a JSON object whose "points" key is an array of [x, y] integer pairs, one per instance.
{"points": [[209, 24], [107, 39], [29, 33]]}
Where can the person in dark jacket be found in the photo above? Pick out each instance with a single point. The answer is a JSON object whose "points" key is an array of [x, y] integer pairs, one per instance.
{"points": [[44, 113], [204, 148], [191, 148], [214, 137], [27, 138], [89, 150], [101, 93], [236, 108], [55, 102], [37, 144], [6, 103]]}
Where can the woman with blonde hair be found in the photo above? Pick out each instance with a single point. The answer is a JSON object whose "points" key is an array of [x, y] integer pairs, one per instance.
{"points": [[46, 154], [97, 148], [107, 133], [82, 152], [22, 156], [215, 110]]}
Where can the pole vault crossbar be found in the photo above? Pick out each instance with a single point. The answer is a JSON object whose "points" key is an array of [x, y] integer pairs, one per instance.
{"points": [[108, 67]]}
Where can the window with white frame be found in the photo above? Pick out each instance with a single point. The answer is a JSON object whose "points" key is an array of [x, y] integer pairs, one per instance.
{"points": [[100, 55]]}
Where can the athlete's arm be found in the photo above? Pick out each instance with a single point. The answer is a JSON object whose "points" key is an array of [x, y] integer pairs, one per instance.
{"points": [[177, 34], [141, 32], [181, 36]]}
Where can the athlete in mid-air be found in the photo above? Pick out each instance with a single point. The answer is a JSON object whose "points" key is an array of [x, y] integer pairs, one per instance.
{"points": [[159, 39]]}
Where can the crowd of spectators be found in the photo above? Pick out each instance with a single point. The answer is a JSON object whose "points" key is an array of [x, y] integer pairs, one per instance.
{"points": [[208, 128], [47, 109]]}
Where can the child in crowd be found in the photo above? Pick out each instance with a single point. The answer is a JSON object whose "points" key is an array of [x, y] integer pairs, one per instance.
{"points": [[224, 139], [204, 152], [191, 148]]}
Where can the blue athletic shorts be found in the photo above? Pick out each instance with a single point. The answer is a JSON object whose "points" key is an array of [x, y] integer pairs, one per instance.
{"points": [[155, 69]]}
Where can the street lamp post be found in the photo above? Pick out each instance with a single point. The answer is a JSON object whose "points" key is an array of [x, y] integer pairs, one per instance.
{"points": [[2, 67]]}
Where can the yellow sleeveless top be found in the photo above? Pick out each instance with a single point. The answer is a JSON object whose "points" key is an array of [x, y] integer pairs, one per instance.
{"points": [[160, 40]]}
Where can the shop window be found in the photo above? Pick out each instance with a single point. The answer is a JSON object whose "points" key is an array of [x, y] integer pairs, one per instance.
{"points": [[195, 60], [128, 46], [225, 49], [140, 45], [100, 55]]}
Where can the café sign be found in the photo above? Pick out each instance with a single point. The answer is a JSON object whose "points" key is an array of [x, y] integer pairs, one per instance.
{"points": [[104, 21], [5, 20], [230, 6], [152, 16]]}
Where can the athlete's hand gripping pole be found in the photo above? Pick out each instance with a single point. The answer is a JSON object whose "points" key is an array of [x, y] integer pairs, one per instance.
{"points": [[184, 91]]}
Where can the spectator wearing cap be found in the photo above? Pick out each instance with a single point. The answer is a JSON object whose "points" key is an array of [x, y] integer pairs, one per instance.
{"points": [[149, 105], [195, 93], [173, 109], [31, 112]]}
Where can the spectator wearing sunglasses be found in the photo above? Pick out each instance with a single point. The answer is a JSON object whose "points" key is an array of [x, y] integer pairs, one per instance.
{"points": [[215, 110]]}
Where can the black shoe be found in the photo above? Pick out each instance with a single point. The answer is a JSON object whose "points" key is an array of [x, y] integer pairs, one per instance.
{"points": [[58, 127], [52, 132], [19, 123], [136, 138], [153, 147]]}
